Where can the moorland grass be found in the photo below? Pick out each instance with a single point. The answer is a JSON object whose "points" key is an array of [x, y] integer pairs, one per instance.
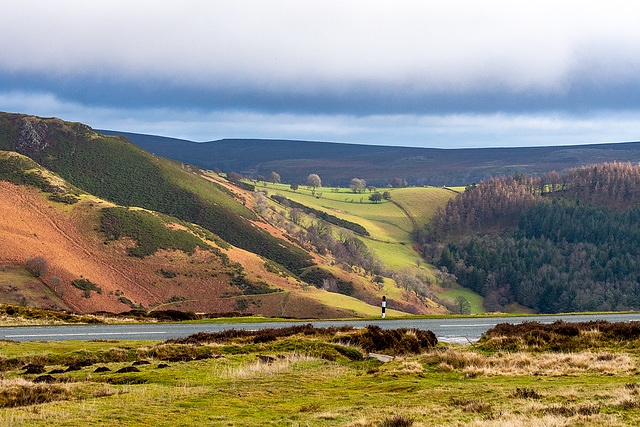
{"points": [[302, 380]]}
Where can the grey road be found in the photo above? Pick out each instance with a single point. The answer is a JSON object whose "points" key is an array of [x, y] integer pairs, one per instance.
{"points": [[459, 330]]}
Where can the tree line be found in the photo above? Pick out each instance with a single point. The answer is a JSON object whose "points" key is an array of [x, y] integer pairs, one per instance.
{"points": [[556, 243]]}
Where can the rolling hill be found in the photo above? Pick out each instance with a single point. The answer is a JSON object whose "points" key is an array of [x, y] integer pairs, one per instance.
{"points": [[556, 243], [338, 163], [101, 256]]}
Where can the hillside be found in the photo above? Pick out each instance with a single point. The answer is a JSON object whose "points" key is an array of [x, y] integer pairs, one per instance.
{"points": [[116, 170], [338, 163], [214, 277], [558, 243], [122, 258]]}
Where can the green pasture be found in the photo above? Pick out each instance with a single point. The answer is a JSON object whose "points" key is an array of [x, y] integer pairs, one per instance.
{"points": [[388, 224], [422, 202], [474, 299], [395, 255], [360, 308], [384, 220]]}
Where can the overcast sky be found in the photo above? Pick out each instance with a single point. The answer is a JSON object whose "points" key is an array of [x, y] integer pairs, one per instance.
{"points": [[414, 73]]}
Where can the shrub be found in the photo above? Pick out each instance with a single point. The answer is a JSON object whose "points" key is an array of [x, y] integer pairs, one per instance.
{"points": [[558, 336], [395, 341], [25, 394], [150, 232], [87, 286]]}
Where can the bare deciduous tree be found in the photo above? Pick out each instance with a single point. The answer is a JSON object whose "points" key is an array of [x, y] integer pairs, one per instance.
{"points": [[38, 266]]}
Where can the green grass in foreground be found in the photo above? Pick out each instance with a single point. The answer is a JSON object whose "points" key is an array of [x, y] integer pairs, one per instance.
{"points": [[307, 383]]}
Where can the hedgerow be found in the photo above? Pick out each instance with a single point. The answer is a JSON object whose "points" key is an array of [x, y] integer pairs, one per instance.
{"points": [[331, 219]]}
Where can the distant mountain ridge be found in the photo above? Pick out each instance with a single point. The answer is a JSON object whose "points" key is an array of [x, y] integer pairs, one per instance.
{"points": [[338, 163]]}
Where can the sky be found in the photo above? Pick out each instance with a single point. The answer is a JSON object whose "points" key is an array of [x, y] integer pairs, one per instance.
{"points": [[442, 74]]}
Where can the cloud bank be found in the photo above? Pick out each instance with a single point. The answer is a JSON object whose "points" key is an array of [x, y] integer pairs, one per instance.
{"points": [[457, 73]]}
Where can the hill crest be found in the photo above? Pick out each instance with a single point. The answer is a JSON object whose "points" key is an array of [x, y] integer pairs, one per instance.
{"points": [[338, 163]]}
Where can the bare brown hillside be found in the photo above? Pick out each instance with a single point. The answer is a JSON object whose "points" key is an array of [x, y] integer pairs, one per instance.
{"points": [[67, 237], [31, 226]]}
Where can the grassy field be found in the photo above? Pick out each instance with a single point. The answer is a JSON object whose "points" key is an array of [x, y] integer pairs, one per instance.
{"points": [[18, 286], [305, 380], [422, 202], [474, 299], [389, 222]]}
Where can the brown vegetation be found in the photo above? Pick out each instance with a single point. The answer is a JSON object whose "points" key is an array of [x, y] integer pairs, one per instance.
{"points": [[560, 336]]}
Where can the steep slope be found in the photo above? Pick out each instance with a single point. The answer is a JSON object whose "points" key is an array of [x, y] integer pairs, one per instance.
{"points": [[556, 243], [114, 169], [80, 249], [68, 237]]}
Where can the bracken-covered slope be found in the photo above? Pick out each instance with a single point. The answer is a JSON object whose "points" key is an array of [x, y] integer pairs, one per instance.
{"points": [[115, 169], [106, 249], [111, 275]]}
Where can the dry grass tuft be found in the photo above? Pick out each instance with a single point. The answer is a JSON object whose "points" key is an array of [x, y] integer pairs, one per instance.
{"points": [[525, 393], [473, 364], [410, 367], [314, 407], [520, 420], [328, 416], [571, 411], [397, 421], [261, 369], [471, 406], [20, 392]]}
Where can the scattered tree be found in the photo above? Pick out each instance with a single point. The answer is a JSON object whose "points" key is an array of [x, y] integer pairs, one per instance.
{"points": [[357, 185], [463, 306], [274, 178], [375, 197], [314, 181], [294, 187], [38, 266], [386, 195], [396, 182], [295, 215], [378, 280], [234, 176]]}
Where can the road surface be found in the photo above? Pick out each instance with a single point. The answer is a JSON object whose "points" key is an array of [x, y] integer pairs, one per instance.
{"points": [[457, 330]]}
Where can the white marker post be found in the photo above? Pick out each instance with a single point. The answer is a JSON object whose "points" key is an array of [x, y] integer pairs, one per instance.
{"points": [[384, 305]]}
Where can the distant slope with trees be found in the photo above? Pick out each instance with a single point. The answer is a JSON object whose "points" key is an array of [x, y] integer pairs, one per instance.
{"points": [[338, 163], [557, 243]]}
